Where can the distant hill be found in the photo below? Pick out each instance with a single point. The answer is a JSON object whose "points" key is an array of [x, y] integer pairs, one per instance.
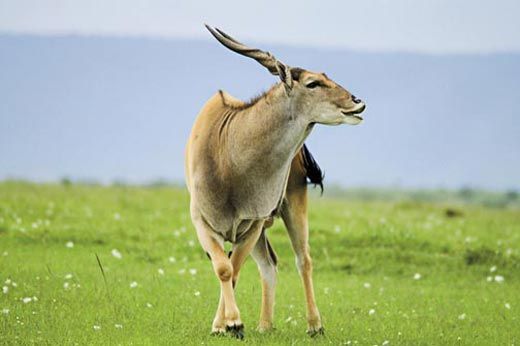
{"points": [[112, 108]]}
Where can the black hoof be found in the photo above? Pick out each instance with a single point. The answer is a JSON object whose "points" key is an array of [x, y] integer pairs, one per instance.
{"points": [[315, 332], [236, 331]]}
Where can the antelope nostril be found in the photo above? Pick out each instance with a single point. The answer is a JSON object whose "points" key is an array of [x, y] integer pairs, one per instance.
{"points": [[355, 99]]}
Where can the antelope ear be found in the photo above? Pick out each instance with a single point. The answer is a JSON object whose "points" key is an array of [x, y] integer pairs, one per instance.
{"points": [[285, 74], [296, 73]]}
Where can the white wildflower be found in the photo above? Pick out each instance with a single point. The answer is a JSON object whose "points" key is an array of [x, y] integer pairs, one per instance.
{"points": [[118, 326], [176, 233], [172, 259], [417, 276], [66, 285], [507, 306], [69, 244], [148, 305], [493, 269], [68, 276], [289, 319], [191, 243], [133, 284], [96, 327], [5, 289], [499, 278], [462, 317], [116, 253], [193, 271], [5, 311], [367, 285], [27, 300], [371, 311], [5, 253], [35, 299], [196, 293], [14, 284], [160, 271], [386, 342], [8, 281], [489, 279]]}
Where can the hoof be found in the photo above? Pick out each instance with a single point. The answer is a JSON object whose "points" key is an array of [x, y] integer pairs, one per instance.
{"points": [[313, 332], [218, 329], [265, 328], [236, 331], [218, 332]]}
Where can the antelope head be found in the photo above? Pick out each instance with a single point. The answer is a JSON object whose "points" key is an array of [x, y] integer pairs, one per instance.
{"points": [[312, 95]]}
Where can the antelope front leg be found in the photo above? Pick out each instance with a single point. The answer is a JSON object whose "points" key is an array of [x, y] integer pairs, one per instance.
{"points": [[294, 214], [241, 249], [219, 322], [224, 271]]}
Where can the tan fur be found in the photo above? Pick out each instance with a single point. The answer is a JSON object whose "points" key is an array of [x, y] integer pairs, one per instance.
{"points": [[244, 166]]}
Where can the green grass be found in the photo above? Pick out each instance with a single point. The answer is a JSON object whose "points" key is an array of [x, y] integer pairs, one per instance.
{"points": [[354, 244]]}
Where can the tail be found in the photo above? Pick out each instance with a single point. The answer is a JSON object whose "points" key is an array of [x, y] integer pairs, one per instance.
{"points": [[313, 171], [270, 250]]}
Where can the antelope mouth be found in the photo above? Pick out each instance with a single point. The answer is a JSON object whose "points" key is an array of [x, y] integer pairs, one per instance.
{"points": [[354, 114]]}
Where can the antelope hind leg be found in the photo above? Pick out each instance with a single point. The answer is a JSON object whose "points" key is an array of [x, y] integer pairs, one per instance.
{"points": [[266, 260]]}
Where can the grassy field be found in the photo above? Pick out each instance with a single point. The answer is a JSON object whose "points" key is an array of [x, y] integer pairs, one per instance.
{"points": [[398, 273]]}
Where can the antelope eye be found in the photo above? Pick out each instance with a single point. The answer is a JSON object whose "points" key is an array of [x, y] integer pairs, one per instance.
{"points": [[313, 84]]}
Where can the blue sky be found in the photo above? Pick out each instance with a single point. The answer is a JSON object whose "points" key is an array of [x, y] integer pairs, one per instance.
{"points": [[431, 26]]}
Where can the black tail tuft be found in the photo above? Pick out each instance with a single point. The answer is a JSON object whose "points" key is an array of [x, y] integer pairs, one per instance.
{"points": [[313, 171]]}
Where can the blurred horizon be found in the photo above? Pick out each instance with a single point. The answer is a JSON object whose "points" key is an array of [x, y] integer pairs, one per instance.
{"points": [[434, 26]]}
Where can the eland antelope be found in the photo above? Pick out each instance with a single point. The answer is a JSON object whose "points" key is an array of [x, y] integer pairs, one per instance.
{"points": [[246, 163]]}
